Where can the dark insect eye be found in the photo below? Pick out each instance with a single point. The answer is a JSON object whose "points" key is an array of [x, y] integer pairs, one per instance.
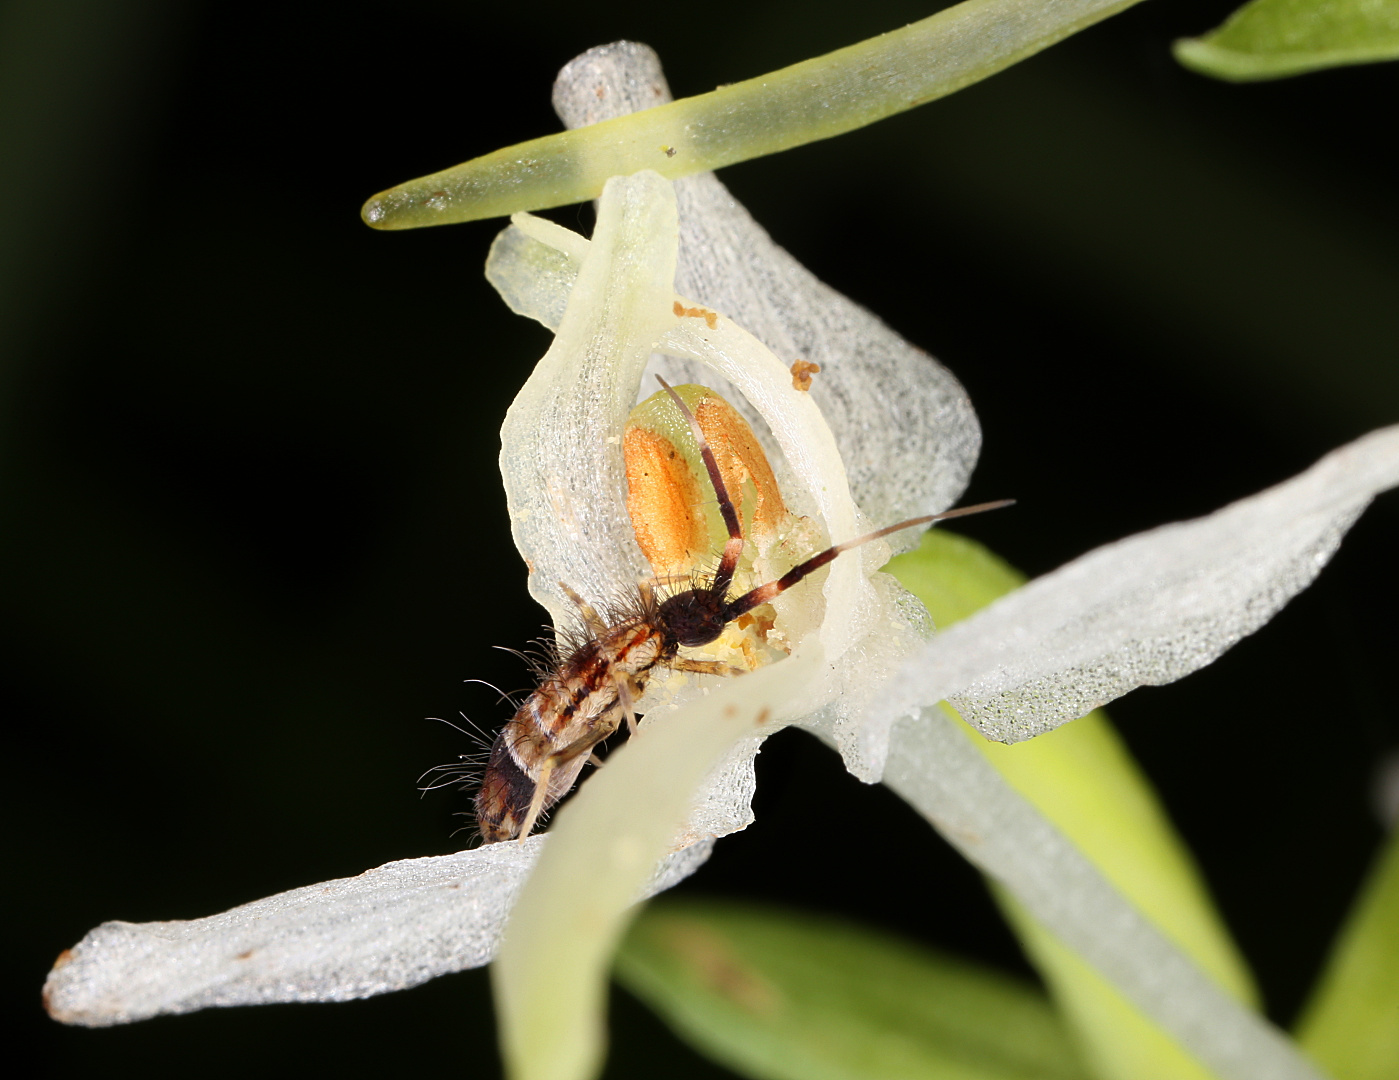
{"points": [[694, 617]]}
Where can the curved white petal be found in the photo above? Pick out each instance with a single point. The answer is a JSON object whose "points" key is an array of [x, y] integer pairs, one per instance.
{"points": [[387, 929], [936, 769], [533, 264], [905, 427], [560, 452], [1146, 610]]}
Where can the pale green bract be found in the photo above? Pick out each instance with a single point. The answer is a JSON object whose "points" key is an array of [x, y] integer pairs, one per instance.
{"points": [[1270, 39], [816, 99]]}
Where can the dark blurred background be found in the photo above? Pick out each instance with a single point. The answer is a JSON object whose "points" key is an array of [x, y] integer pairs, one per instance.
{"points": [[253, 528]]}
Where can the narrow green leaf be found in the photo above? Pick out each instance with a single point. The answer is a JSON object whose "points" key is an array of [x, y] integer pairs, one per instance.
{"points": [[812, 100], [1270, 39], [779, 995], [1082, 778], [1351, 1024]]}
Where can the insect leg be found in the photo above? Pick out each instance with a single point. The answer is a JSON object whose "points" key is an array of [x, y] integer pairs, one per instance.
{"points": [[536, 804], [704, 667], [553, 761], [624, 698], [591, 619]]}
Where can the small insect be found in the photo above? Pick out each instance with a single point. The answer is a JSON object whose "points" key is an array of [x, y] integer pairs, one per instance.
{"points": [[595, 681]]}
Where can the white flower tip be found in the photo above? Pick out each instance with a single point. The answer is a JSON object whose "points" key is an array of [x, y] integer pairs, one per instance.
{"points": [[55, 995], [1146, 610], [80, 989], [609, 81]]}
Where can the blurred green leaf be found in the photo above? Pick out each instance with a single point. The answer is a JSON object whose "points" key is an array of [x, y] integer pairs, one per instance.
{"points": [[1082, 778], [779, 995], [1351, 1024], [1270, 39]]}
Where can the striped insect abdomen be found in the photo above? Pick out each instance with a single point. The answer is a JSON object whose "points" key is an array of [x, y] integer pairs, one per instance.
{"points": [[573, 710]]}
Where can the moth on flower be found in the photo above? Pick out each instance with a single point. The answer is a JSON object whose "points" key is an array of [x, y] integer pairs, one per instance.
{"points": [[883, 434]]}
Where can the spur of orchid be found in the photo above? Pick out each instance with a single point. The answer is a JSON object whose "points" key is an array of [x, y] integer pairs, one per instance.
{"points": [[884, 433]]}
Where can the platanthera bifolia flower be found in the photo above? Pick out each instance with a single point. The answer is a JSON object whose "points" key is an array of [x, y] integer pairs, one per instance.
{"points": [[883, 434]]}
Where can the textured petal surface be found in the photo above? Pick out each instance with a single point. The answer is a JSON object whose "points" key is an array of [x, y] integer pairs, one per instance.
{"points": [[905, 427], [937, 770], [387, 929], [1146, 610]]}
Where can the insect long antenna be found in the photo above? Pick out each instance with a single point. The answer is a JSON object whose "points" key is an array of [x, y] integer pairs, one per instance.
{"points": [[763, 593], [734, 547]]}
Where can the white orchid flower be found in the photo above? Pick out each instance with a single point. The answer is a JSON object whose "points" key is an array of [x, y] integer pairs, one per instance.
{"points": [[884, 433]]}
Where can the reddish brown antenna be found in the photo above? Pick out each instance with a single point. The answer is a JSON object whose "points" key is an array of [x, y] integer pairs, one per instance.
{"points": [[763, 593], [733, 548]]}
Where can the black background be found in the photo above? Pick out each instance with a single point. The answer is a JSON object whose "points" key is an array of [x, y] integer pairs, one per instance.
{"points": [[254, 533]]}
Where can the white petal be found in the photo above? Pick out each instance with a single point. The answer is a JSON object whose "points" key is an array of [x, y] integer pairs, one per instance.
{"points": [[533, 263], [934, 766], [905, 427], [387, 929], [1146, 610], [560, 940], [560, 452], [870, 624]]}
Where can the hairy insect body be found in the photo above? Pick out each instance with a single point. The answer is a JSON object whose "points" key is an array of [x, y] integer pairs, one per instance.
{"points": [[577, 706]]}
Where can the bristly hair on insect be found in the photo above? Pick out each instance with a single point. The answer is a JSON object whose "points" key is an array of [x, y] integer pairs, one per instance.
{"points": [[591, 681], [468, 768]]}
